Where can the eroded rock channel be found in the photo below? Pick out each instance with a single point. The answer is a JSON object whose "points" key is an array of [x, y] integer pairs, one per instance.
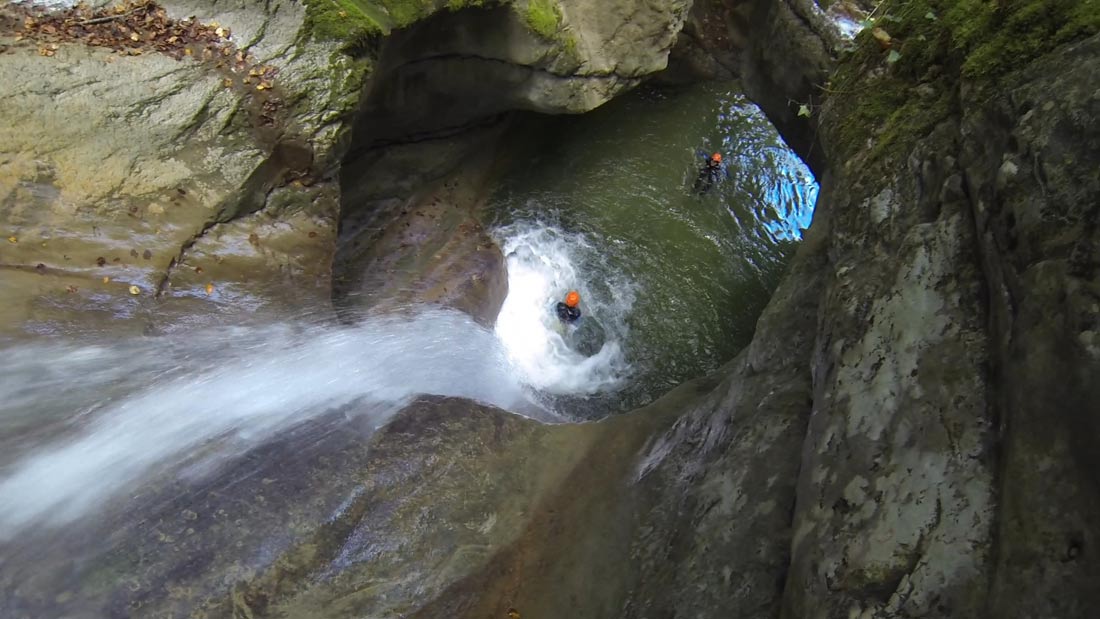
{"points": [[250, 367]]}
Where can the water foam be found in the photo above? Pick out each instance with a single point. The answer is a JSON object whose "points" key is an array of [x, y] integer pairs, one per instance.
{"points": [[543, 264], [235, 387]]}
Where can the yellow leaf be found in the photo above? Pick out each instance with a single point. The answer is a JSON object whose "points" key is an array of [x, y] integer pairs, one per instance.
{"points": [[134, 36], [881, 36], [134, 290], [209, 288], [12, 239], [219, 31], [106, 280]]}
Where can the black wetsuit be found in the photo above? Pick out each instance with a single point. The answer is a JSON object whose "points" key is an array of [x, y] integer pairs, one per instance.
{"points": [[568, 314], [709, 175]]}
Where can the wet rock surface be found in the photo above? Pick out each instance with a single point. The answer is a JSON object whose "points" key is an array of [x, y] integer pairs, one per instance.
{"points": [[114, 165], [427, 248], [911, 433]]}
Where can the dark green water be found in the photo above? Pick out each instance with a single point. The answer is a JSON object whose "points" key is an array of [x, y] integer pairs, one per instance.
{"points": [[680, 278]]}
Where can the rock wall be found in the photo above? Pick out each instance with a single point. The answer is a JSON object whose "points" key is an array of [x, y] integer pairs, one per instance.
{"points": [[912, 431], [180, 180]]}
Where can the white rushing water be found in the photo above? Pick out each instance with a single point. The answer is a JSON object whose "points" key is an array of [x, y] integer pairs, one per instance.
{"points": [[84, 425], [140, 407], [544, 264]]}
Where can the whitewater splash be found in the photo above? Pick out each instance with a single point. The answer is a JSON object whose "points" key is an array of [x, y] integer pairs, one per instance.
{"points": [[83, 425], [543, 264], [148, 406]]}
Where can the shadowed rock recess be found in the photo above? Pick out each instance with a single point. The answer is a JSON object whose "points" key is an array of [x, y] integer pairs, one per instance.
{"points": [[913, 431]]}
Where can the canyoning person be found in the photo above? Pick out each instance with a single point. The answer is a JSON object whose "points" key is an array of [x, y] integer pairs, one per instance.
{"points": [[567, 310], [711, 173]]}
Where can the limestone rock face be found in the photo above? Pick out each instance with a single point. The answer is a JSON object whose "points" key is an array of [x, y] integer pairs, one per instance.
{"points": [[946, 467], [114, 166], [455, 68], [1030, 167], [427, 249]]}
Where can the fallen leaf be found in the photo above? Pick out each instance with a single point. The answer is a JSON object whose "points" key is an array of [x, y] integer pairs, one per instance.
{"points": [[198, 270], [893, 56], [882, 36], [147, 254], [134, 290], [100, 261], [210, 289], [71, 289], [12, 239], [134, 36], [106, 280], [804, 111]]}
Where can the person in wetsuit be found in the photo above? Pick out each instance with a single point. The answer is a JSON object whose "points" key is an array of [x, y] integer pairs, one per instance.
{"points": [[710, 174], [567, 310]]}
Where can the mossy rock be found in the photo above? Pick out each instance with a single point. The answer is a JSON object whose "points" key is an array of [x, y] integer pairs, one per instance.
{"points": [[543, 17], [934, 45], [352, 21]]}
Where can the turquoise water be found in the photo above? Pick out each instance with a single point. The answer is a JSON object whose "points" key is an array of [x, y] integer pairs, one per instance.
{"points": [[677, 280]]}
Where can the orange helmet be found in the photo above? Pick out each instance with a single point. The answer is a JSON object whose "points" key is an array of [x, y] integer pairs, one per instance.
{"points": [[573, 298], [717, 157]]}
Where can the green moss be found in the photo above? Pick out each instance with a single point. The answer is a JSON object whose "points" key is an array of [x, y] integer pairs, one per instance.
{"points": [[543, 17], [344, 20], [940, 42], [348, 20], [454, 5], [569, 44], [996, 37]]}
